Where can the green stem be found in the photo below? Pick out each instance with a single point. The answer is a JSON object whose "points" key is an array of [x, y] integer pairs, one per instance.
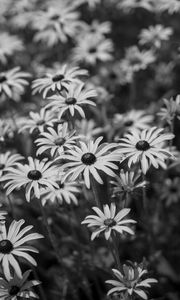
{"points": [[144, 194], [116, 252], [95, 192]]}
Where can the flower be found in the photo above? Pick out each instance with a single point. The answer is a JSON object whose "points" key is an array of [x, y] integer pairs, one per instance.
{"points": [[128, 5], [92, 48], [90, 158], [16, 287], [6, 131], [39, 120], [171, 7], [87, 129], [107, 221], [171, 109], [131, 282], [127, 182], [170, 191], [13, 82], [34, 175], [13, 243], [8, 160], [154, 35], [72, 100], [57, 141], [9, 44], [66, 192], [95, 28], [133, 119], [144, 147], [58, 80]]}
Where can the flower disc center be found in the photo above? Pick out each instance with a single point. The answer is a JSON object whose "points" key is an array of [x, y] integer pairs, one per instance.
{"points": [[34, 175], [6, 246], [58, 77], [71, 101], [60, 141], [40, 122], [88, 158], [128, 123], [14, 290], [2, 78], [61, 185], [110, 222], [142, 145], [92, 50], [2, 166]]}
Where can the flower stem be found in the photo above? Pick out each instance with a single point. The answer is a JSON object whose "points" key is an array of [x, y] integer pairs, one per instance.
{"points": [[116, 252], [144, 194], [95, 192], [51, 236]]}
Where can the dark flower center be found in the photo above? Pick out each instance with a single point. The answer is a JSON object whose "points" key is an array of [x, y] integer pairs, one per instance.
{"points": [[40, 122], [2, 78], [128, 123], [112, 75], [58, 77], [142, 145], [60, 141], [173, 189], [71, 101], [92, 50], [88, 158], [61, 185], [6, 246], [110, 222], [2, 166], [135, 60], [55, 17], [34, 175], [14, 290]]}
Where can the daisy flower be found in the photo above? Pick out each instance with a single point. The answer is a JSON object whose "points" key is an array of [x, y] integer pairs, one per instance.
{"points": [[133, 119], [127, 182], [57, 141], [155, 35], [33, 176], [90, 159], [72, 100], [58, 80], [130, 283], [66, 192], [95, 28], [8, 160], [13, 243], [90, 49], [39, 120], [9, 44], [107, 220], [13, 81], [144, 148], [17, 287]]}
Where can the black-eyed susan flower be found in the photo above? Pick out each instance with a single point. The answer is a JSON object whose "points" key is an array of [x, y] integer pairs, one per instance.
{"points": [[130, 282], [145, 148], [18, 288], [33, 176], [58, 80], [13, 244], [72, 100], [107, 221], [89, 159], [57, 141]]}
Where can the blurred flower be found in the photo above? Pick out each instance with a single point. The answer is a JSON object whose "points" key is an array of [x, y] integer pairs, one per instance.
{"points": [[90, 49], [170, 110], [133, 119], [130, 283], [13, 81], [155, 35], [72, 100], [136, 60], [17, 287], [87, 129], [12, 243], [171, 7], [9, 44], [66, 192], [57, 141], [56, 24], [34, 175], [92, 3], [144, 147], [59, 80], [170, 191], [127, 182], [90, 158], [8, 160], [107, 221], [128, 5], [6, 131], [39, 120], [96, 29]]}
